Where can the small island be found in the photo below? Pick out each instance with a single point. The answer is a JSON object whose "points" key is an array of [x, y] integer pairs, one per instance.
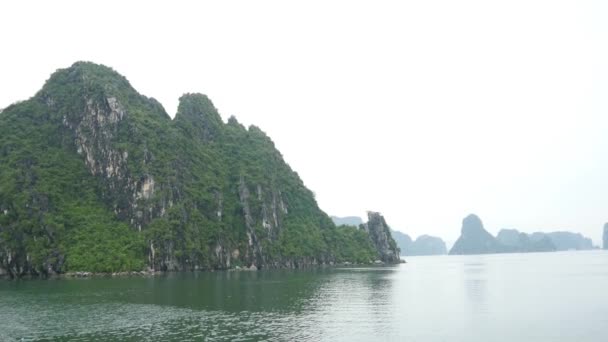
{"points": [[474, 239]]}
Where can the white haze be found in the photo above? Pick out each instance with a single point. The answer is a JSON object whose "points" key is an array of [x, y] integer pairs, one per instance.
{"points": [[423, 110]]}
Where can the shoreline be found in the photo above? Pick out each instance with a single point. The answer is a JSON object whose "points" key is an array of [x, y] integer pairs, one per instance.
{"points": [[150, 273]]}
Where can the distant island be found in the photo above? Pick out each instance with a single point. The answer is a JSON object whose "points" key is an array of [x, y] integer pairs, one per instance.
{"points": [[564, 240], [347, 221], [522, 242], [423, 245], [95, 177], [605, 236], [474, 239]]}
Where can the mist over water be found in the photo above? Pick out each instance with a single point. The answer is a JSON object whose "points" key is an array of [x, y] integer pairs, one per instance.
{"points": [[503, 297]]}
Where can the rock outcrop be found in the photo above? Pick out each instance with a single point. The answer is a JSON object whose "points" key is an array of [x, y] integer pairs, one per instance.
{"points": [[474, 239], [605, 236], [516, 241], [381, 237]]}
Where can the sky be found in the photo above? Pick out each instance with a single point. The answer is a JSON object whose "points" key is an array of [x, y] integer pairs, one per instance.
{"points": [[423, 110]]}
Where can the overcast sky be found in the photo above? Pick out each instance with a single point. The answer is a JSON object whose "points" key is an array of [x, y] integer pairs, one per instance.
{"points": [[423, 110]]}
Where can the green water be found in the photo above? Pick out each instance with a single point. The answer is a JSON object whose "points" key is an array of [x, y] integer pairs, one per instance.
{"points": [[511, 297]]}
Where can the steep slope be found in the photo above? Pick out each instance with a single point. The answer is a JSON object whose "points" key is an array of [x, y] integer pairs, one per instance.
{"points": [[96, 177], [380, 235], [474, 239]]}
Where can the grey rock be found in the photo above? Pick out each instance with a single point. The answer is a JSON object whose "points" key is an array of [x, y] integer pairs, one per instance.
{"points": [[380, 234]]}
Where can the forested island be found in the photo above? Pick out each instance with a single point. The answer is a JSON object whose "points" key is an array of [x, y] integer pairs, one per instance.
{"points": [[96, 177]]}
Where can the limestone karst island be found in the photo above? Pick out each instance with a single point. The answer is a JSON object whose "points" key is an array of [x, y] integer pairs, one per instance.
{"points": [[95, 177]]}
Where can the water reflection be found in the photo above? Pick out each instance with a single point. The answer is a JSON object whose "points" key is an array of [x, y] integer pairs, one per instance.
{"points": [[475, 283], [354, 302], [228, 291], [292, 305]]}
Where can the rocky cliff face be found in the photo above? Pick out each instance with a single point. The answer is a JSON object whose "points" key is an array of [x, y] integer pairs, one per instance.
{"points": [[96, 177], [474, 239], [381, 237]]}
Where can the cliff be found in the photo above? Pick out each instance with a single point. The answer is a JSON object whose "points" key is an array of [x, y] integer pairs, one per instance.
{"points": [[381, 237], [97, 177]]}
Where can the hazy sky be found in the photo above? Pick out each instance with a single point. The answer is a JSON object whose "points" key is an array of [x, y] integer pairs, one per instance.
{"points": [[423, 110]]}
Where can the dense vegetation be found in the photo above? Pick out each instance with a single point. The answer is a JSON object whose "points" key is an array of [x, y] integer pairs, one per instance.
{"points": [[96, 177]]}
